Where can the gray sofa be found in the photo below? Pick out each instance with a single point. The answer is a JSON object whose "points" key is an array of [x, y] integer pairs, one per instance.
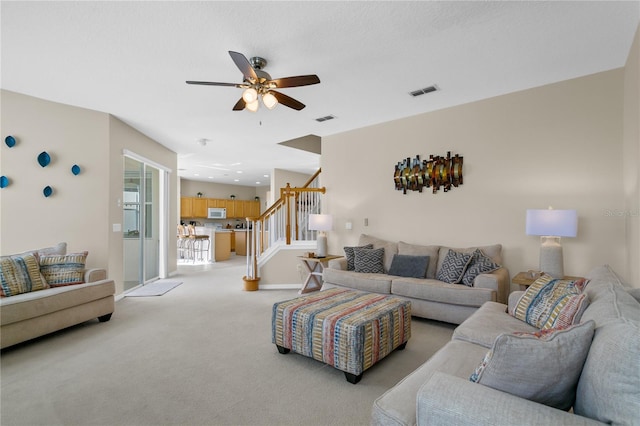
{"points": [[430, 298], [29, 315], [608, 390]]}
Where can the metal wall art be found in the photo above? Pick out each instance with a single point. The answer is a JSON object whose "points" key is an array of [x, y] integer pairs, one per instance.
{"points": [[436, 172]]}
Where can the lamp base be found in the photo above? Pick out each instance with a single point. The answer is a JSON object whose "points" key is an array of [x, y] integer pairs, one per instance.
{"points": [[321, 250], [551, 260]]}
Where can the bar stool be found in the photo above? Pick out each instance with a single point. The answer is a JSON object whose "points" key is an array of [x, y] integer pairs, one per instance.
{"points": [[184, 243], [198, 243]]}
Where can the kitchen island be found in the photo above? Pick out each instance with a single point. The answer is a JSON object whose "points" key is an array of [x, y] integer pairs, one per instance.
{"points": [[220, 243]]}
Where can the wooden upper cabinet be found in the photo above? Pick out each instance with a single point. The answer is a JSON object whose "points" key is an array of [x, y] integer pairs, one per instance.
{"points": [[199, 206], [253, 209], [186, 209], [192, 207], [215, 202]]}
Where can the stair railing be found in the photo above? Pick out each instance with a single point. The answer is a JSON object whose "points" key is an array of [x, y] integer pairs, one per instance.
{"points": [[285, 221]]}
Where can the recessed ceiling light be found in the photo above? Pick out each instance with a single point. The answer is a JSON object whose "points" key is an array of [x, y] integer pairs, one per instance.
{"points": [[210, 177], [257, 183], [236, 180], [239, 171], [265, 175], [196, 174]]}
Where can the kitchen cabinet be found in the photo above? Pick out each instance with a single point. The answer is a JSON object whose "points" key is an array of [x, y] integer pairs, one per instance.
{"points": [[233, 241], [185, 207], [195, 207], [241, 242], [216, 203], [199, 206], [223, 246]]}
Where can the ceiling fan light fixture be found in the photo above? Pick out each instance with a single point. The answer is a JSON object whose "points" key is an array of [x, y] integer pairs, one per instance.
{"points": [[269, 100], [252, 106], [250, 95]]}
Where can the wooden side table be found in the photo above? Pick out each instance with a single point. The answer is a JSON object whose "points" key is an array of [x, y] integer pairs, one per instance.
{"points": [[524, 279], [315, 266]]}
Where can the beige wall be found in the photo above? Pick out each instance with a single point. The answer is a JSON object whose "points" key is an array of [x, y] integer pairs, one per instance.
{"points": [[280, 179], [122, 136], [190, 188], [83, 208], [77, 212], [558, 145], [631, 160]]}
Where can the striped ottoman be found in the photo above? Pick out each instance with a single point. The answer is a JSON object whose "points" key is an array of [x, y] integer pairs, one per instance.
{"points": [[347, 329]]}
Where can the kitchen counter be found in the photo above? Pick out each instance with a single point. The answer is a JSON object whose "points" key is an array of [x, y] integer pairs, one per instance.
{"points": [[220, 240], [241, 240]]}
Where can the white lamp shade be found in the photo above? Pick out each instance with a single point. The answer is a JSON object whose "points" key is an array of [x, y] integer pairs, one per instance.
{"points": [[252, 106], [269, 100], [320, 222], [556, 223], [250, 95]]}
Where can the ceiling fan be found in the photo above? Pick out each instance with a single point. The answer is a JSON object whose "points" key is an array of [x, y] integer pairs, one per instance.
{"points": [[259, 84]]}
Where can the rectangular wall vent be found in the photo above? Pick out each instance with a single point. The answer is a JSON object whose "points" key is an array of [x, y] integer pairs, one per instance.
{"points": [[325, 118], [424, 91]]}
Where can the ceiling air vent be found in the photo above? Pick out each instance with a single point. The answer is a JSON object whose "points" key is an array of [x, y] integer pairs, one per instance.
{"points": [[423, 91], [325, 118]]}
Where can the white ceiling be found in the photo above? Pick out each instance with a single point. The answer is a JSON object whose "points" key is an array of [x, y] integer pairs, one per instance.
{"points": [[131, 59]]}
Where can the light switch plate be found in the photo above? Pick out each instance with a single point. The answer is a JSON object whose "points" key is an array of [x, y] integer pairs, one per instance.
{"points": [[117, 227]]}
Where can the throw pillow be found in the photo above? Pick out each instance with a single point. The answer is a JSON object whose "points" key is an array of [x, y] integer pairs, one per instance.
{"points": [[453, 267], [348, 253], [368, 260], [20, 274], [543, 367], [61, 270], [480, 264], [409, 266], [552, 303]]}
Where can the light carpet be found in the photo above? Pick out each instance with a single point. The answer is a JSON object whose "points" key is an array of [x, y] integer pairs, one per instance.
{"points": [[156, 288], [200, 355]]}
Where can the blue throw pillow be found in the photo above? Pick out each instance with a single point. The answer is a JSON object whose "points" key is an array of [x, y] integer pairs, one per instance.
{"points": [[404, 265]]}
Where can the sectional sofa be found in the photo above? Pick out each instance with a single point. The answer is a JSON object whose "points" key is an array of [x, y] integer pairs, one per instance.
{"points": [[530, 379], [430, 297]]}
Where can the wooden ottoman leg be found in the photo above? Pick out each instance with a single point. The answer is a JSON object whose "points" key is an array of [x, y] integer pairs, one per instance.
{"points": [[282, 349], [352, 378]]}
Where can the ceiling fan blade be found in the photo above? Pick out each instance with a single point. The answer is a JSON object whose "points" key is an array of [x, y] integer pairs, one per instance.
{"points": [[287, 100], [239, 106], [243, 64], [213, 83], [300, 80]]}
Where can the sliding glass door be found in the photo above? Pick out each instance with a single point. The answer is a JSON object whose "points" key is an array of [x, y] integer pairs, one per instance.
{"points": [[141, 223]]}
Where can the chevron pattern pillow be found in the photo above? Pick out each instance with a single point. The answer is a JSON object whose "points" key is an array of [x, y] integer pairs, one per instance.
{"points": [[369, 260], [480, 264], [348, 253], [453, 267]]}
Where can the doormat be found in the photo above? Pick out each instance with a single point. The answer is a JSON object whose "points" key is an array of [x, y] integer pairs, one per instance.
{"points": [[157, 288]]}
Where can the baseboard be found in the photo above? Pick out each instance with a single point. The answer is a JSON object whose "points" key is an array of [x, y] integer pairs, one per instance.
{"points": [[279, 286]]}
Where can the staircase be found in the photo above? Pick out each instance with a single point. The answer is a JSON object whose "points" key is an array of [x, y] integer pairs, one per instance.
{"points": [[283, 224]]}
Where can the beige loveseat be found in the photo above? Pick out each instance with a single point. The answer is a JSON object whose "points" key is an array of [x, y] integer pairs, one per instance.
{"points": [[430, 298], [605, 370], [36, 313]]}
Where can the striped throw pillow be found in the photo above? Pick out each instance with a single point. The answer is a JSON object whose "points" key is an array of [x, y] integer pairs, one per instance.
{"points": [[552, 303], [20, 274], [60, 270]]}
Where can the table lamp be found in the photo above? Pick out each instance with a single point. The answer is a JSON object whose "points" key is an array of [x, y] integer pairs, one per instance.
{"points": [[551, 225], [321, 223]]}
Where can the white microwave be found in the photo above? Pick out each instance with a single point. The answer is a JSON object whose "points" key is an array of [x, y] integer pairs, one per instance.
{"points": [[217, 213]]}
